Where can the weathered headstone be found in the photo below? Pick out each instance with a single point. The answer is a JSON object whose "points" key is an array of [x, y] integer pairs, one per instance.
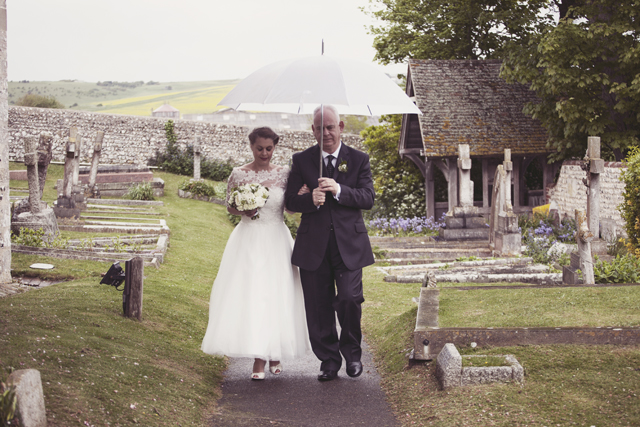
{"points": [[196, 160], [504, 236], [34, 214], [463, 222], [70, 203], [45, 154], [30, 409], [97, 150], [582, 260], [596, 167]]}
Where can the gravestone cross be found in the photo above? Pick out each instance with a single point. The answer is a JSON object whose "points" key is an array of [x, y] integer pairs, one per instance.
{"points": [[584, 236], [596, 167], [31, 161], [464, 171], [45, 155], [196, 159], [97, 150], [507, 165], [71, 148], [76, 161]]}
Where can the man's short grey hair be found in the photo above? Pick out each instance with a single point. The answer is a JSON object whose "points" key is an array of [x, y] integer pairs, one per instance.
{"points": [[327, 107]]}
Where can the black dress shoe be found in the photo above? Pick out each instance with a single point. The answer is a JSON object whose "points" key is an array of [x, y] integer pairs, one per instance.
{"points": [[354, 369], [327, 375]]}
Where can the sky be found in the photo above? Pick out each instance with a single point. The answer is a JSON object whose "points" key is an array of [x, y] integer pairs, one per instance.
{"points": [[179, 40]]}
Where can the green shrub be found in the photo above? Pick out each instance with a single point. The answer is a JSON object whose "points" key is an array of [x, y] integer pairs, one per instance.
{"points": [[36, 238], [630, 208], [7, 400], [623, 269], [199, 188], [38, 101], [179, 161], [141, 191]]}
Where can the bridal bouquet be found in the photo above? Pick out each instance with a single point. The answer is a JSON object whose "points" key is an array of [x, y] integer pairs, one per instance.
{"points": [[248, 197]]}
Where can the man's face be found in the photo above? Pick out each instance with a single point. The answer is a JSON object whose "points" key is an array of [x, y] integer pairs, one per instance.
{"points": [[330, 132]]}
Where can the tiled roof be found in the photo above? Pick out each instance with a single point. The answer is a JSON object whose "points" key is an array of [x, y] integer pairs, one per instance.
{"points": [[466, 102]]}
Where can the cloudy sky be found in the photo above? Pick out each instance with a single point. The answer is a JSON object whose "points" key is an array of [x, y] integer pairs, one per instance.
{"points": [[178, 40]]}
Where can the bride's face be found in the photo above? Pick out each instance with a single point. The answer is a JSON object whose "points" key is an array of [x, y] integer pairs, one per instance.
{"points": [[262, 151]]}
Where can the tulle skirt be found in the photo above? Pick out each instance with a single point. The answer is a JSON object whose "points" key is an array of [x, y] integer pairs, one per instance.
{"points": [[257, 307]]}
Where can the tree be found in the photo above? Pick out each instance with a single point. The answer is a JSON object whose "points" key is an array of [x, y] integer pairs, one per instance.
{"points": [[463, 29], [354, 124], [586, 73], [398, 183], [630, 208], [39, 101]]}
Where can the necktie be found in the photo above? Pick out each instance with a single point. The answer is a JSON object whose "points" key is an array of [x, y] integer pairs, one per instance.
{"points": [[330, 166]]}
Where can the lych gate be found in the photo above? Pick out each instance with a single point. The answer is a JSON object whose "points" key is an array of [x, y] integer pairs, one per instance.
{"points": [[466, 102]]}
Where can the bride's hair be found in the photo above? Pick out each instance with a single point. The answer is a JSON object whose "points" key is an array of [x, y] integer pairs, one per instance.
{"points": [[263, 132]]}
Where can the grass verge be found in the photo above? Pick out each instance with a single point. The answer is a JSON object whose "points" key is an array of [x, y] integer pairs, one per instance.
{"points": [[564, 384], [99, 368]]}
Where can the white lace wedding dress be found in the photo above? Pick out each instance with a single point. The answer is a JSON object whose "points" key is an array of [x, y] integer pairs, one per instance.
{"points": [[257, 307]]}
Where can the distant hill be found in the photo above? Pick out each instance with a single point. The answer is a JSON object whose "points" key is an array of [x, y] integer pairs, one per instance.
{"points": [[131, 98]]}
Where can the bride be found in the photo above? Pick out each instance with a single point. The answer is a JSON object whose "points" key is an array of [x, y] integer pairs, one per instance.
{"points": [[256, 308]]}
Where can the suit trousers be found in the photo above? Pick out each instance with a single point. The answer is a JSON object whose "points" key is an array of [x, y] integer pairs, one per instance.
{"points": [[322, 303]]}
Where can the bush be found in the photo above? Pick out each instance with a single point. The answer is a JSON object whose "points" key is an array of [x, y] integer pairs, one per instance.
{"points": [[7, 400], [630, 208], [199, 188], [29, 237], [623, 269], [180, 162], [141, 191], [39, 101]]}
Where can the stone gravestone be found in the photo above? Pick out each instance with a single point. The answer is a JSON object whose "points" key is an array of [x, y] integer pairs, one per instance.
{"points": [[30, 409], [196, 160], [582, 260], [45, 154], [68, 205], [463, 222], [39, 215], [594, 166], [92, 190], [504, 236]]}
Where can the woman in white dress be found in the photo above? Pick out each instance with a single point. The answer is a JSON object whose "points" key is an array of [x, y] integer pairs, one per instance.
{"points": [[256, 308]]}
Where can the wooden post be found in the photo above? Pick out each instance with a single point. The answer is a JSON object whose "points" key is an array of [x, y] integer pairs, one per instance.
{"points": [[134, 278], [452, 182], [486, 197], [429, 190]]}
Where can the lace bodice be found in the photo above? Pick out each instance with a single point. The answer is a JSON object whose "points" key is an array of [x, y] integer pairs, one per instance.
{"points": [[275, 180]]}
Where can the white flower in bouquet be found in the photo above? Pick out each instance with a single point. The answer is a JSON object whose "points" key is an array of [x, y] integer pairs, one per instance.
{"points": [[248, 197]]}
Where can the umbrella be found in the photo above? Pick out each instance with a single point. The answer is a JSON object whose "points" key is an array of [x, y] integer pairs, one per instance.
{"points": [[298, 86]]}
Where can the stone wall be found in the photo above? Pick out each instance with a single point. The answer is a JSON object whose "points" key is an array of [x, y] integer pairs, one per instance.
{"points": [[570, 193], [134, 140]]}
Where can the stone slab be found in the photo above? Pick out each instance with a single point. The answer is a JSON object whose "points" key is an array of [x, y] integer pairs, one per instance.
{"points": [[30, 409], [18, 175], [513, 372], [506, 337], [475, 222], [428, 307], [508, 244], [465, 211], [102, 178], [449, 366], [465, 234], [452, 223]]}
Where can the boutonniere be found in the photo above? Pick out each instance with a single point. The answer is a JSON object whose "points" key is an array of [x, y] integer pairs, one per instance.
{"points": [[343, 166]]}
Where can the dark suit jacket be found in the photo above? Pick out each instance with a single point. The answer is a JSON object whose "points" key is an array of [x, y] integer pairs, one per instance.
{"points": [[356, 193]]}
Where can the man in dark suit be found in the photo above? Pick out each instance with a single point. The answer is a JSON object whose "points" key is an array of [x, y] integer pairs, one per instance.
{"points": [[332, 244]]}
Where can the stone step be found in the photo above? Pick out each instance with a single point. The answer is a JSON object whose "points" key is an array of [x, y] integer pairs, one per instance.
{"points": [[416, 242], [436, 253]]}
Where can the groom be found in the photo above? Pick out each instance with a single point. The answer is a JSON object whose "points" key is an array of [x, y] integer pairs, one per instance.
{"points": [[332, 244]]}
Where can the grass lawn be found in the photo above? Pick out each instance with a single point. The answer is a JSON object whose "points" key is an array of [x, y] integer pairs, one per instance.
{"points": [[564, 384]]}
